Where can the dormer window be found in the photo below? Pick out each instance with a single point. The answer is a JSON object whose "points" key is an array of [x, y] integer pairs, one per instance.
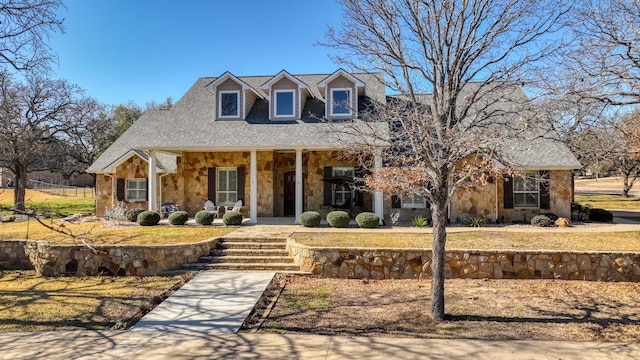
{"points": [[340, 102], [229, 104], [284, 103]]}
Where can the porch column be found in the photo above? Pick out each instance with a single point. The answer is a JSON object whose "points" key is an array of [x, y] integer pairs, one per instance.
{"points": [[152, 182], [253, 192], [298, 185], [377, 196]]}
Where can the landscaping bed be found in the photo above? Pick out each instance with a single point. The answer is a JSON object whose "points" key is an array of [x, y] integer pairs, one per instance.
{"points": [[477, 309]]}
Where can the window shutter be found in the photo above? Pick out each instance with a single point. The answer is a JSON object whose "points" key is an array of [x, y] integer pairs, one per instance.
{"points": [[395, 202], [508, 191], [240, 173], [146, 185], [328, 172], [120, 189], [545, 201], [211, 184]]}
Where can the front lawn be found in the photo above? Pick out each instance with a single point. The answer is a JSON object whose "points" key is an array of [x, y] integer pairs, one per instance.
{"points": [[47, 203], [609, 202], [97, 234], [484, 239], [29, 303]]}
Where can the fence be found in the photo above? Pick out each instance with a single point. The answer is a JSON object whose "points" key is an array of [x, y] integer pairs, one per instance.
{"points": [[61, 190]]}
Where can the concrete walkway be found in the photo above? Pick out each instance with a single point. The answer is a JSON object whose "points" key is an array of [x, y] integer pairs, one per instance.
{"points": [[212, 301]]}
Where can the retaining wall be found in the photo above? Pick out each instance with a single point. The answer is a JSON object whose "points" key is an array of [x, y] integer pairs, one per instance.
{"points": [[76, 260], [360, 263]]}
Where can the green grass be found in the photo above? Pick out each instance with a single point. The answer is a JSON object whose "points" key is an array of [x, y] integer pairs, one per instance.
{"points": [[48, 203], [604, 201], [30, 303], [487, 239]]}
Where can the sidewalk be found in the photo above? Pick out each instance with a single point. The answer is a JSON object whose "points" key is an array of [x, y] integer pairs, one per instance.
{"points": [[153, 344]]}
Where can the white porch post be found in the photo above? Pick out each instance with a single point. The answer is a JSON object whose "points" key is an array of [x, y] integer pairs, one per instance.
{"points": [[298, 185], [152, 181], [253, 192], [377, 196]]}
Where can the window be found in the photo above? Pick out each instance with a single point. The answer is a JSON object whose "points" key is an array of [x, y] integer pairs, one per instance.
{"points": [[284, 103], [340, 101], [526, 191], [229, 103], [136, 190], [227, 186], [342, 191], [414, 202]]}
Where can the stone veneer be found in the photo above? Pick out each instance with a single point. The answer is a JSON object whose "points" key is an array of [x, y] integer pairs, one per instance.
{"points": [[361, 263], [55, 260]]}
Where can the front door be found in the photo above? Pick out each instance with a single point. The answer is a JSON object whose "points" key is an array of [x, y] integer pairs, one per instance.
{"points": [[290, 193]]}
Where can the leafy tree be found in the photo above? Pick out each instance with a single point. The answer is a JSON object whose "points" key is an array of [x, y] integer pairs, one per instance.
{"points": [[468, 55], [25, 26]]}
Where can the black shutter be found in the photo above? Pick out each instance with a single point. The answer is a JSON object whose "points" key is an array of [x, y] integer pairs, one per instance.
{"points": [[359, 196], [120, 189], [545, 202], [146, 185], [508, 191], [241, 171], [328, 172], [211, 184], [395, 202]]}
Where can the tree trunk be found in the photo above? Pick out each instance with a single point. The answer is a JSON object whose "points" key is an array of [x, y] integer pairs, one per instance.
{"points": [[19, 187], [439, 218]]}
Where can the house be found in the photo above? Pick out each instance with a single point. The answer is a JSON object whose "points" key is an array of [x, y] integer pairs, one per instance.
{"points": [[271, 141]]}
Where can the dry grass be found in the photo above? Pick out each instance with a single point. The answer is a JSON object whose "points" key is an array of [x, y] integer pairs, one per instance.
{"points": [[29, 303], [495, 240], [493, 309], [97, 234]]}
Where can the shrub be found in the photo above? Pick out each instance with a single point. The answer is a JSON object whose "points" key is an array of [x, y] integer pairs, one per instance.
{"points": [[462, 219], [232, 218], [310, 218], [474, 221], [205, 217], [367, 220], [419, 221], [116, 213], [600, 215], [132, 214], [338, 219], [551, 216], [542, 221], [178, 218], [148, 218]]}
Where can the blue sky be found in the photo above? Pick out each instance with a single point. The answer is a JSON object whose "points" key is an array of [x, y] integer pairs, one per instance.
{"points": [[144, 50]]}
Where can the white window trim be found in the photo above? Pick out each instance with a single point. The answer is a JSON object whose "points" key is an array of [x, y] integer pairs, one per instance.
{"points": [[412, 205], [275, 103], [532, 175], [238, 107], [351, 191], [218, 192], [350, 101], [138, 190]]}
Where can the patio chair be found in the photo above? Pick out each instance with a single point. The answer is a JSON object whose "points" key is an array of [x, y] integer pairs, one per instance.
{"points": [[211, 207], [236, 207]]}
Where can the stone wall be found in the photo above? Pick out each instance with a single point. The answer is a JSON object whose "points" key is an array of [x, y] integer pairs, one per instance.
{"points": [[55, 260], [415, 263]]}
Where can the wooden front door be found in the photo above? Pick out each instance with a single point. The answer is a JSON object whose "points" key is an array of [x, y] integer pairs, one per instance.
{"points": [[290, 193]]}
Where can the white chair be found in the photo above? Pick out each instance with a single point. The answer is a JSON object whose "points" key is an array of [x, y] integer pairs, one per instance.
{"points": [[236, 207], [210, 206]]}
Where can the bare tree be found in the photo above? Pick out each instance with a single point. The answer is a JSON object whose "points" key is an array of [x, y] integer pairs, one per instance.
{"points": [[469, 56], [25, 26], [33, 115]]}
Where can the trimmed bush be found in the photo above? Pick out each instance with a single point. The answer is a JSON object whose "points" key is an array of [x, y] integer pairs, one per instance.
{"points": [[338, 219], [310, 218], [367, 220], [132, 214], [600, 215], [232, 218], [178, 218], [542, 221], [204, 217], [148, 218]]}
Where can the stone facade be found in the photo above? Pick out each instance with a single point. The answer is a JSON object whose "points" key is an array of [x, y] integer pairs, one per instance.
{"points": [[364, 263], [55, 260]]}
